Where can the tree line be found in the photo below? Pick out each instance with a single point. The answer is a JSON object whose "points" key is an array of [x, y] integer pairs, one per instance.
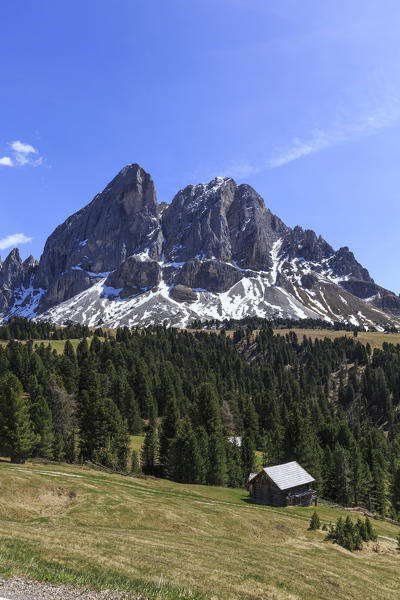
{"points": [[18, 328]]}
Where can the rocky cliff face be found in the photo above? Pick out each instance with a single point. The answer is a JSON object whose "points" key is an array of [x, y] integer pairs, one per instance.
{"points": [[120, 221], [216, 251], [221, 221], [14, 274]]}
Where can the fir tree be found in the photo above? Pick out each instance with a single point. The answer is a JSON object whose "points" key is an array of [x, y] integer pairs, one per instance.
{"points": [[184, 461], [315, 522], [236, 475], [248, 454], [43, 428], [396, 490], [149, 450], [135, 466], [168, 429], [371, 533], [217, 469], [16, 434]]}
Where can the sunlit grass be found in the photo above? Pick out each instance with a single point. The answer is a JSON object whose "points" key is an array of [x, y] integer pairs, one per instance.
{"points": [[64, 523]]}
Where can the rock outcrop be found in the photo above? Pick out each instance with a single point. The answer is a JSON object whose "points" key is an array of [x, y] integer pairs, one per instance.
{"points": [[135, 274]]}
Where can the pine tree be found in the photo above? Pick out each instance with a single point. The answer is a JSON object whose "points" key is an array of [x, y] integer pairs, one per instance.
{"points": [[341, 475], [63, 409], [149, 451], [248, 454], [16, 434], [184, 461], [371, 533], [69, 351], [208, 409], [135, 466], [209, 415], [236, 476], [143, 389], [58, 447], [202, 440], [217, 470], [267, 449], [168, 429], [132, 413], [315, 522], [43, 428], [357, 474], [362, 530], [396, 490]]}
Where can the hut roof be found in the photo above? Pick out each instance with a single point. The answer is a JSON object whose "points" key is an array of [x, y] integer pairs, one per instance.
{"points": [[285, 476], [288, 475]]}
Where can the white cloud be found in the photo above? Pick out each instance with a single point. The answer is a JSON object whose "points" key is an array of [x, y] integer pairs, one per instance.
{"points": [[367, 124], [345, 130], [299, 148], [13, 240], [22, 154], [23, 148]]}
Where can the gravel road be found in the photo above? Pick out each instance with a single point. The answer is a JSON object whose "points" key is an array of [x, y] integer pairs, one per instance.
{"points": [[17, 588]]}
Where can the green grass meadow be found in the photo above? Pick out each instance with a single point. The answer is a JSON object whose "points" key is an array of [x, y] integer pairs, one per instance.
{"points": [[70, 524]]}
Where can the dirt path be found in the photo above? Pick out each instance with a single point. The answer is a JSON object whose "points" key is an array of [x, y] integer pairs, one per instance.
{"points": [[18, 588]]}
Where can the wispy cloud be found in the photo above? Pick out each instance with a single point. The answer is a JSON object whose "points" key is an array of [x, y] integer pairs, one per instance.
{"points": [[21, 154], [13, 240], [340, 132], [320, 139]]}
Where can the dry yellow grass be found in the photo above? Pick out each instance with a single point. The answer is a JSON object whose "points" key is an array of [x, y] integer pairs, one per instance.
{"points": [[375, 339], [57, 345], [71, 520], [136, 443]]}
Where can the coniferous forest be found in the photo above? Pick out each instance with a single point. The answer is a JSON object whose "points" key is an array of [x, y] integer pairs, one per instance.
{"points": [[332, 405]]}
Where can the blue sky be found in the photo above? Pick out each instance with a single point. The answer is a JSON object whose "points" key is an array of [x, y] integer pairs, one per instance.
{"points": [[299, 99]]}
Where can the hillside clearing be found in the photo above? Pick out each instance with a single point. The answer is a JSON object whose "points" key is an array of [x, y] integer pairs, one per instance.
{"points": [[68, 524], [374, 338]]}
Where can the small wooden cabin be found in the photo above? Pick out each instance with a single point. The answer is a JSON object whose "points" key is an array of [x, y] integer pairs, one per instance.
{"points": [[282, 485]]}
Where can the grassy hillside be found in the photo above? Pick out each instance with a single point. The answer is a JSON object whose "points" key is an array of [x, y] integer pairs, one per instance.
{"points": [[374, 338], [70, 524]]}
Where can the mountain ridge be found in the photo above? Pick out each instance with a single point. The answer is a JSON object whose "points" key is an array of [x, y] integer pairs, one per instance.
{"points": [[216, 251]]}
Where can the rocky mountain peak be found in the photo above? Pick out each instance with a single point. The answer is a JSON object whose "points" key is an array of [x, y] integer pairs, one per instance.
{"points": [[13, 256], [11, 269], [120, 221], [307, 245], [216, 251], [29, 263]]}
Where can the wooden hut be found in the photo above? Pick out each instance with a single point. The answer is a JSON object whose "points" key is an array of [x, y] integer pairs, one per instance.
{"points": [[282, 485]]}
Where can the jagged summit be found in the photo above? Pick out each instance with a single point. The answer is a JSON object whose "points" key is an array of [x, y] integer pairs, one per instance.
{"points": [[215, 251]]}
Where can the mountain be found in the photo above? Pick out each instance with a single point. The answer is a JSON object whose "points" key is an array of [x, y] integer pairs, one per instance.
{"points": [[214, 252]]}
